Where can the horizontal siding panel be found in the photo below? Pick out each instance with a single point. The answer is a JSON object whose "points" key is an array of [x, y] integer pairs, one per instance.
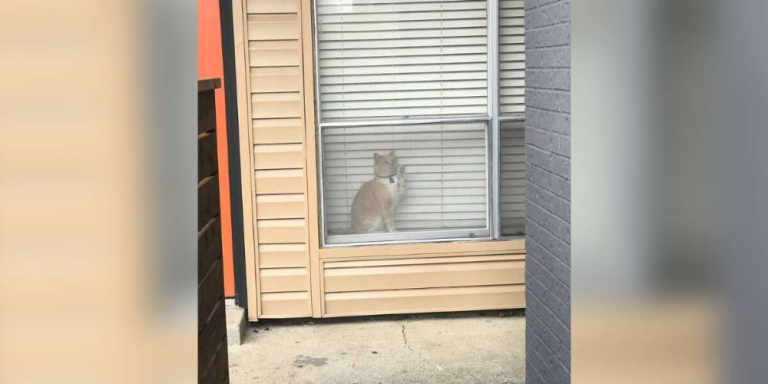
{"points": [[269, 80], [278, 156], [274, 53], [428, 258], [278, 131], [424, 300], [278, 135], [283, 280], [282, 305], [282, 231], [279, 181], [276, 105], [272, 6], [281, 207], [282, 255], [424, 276], [273, 27]]}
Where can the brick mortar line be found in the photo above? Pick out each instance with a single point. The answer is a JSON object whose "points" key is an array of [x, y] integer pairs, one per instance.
{"points": [[552, 275], [553, 174], [540, 6], [539, 377], [533, 331], [568, 92], [547, 150], [547, 70], [556, 298], [555, 196], [557, 358], [551, 252], [549, 131], [527, 108], [549, 89], [556, 24], [562, 135], [554, 257], [550, 154], [562, 221], [548, 47], [533, 351], [545, 324]]}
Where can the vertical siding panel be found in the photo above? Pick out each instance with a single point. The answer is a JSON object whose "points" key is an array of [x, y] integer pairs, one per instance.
{"points": [[277, 155]]}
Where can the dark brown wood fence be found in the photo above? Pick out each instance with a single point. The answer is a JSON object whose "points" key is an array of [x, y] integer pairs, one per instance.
{"points": [[212, 363]]}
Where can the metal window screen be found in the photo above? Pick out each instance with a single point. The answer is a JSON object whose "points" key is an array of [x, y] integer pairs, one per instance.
{"points": [[446, 179]]}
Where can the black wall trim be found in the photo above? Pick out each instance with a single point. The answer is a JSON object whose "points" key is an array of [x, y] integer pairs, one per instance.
{"points": [[233, 145]]}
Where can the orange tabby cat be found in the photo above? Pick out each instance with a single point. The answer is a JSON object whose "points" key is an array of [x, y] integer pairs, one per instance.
{"points": [[374, 205]]}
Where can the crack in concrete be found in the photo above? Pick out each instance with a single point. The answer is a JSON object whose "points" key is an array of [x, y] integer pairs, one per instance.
{"points": [[426, 360], [405, 338]]}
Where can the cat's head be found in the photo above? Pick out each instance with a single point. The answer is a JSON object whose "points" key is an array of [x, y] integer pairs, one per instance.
{"points": [[385, 165]]}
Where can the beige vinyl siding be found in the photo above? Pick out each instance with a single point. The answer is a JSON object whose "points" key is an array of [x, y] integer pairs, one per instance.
{"points": [[391, 59], [511, 57], [278, 158], [376, 278], [424, 300], [424, 285], [445, 173], [512, 178], [283, 305], [289, 273]]}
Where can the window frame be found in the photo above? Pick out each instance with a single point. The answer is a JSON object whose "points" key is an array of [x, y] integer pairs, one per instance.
{"points": [[492, 120]]}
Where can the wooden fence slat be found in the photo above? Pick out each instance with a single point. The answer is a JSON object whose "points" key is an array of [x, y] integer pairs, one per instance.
{"points": [[207, 162], [206, 111], [209, 293], [209, 340], [208, 246], [207, 201], [218, 371]]}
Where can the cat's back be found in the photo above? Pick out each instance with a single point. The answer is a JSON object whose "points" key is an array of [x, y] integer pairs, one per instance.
{"points": [[367, 193]]}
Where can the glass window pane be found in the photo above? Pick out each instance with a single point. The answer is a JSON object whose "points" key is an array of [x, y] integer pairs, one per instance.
{"points": [[512, 178], [398, 58], [444, 182]]}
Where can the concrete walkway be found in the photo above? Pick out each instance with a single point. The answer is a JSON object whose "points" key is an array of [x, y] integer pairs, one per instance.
{"points": [[486, 347]]}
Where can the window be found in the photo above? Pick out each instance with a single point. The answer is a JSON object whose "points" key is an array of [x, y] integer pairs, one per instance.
{"points": [[432, 88], [511, 108]]}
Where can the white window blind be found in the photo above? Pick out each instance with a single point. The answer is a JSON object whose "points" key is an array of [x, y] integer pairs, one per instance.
{"points": [[445, 166], [511, 57], [512, 187], [402, 58]]}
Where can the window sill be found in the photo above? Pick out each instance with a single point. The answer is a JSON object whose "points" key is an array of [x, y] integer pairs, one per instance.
{"points": [[455, 248]]}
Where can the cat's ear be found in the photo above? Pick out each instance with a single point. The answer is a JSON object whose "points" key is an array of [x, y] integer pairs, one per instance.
{"points": [[376, 157], [392, 153]]}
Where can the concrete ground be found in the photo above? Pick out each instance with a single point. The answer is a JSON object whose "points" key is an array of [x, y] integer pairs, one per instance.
{"points": [[487, 347]]}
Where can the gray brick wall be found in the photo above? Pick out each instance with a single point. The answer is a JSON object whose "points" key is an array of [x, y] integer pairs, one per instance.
{"points": [[548, 191]]}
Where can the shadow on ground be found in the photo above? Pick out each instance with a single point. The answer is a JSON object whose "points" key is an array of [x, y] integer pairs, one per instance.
{"points": [[475, 347]]}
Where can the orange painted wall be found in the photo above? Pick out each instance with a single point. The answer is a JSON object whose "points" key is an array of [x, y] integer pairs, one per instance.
{"points": [[209, 65]]}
